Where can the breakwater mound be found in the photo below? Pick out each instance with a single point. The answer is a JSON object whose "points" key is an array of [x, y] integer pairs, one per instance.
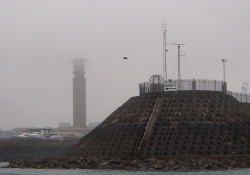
{"points": [[32, 149], [171, 124], [135, 164]]}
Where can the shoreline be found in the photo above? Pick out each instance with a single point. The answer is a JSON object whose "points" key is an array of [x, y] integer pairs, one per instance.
{"points": [[133, 164]]}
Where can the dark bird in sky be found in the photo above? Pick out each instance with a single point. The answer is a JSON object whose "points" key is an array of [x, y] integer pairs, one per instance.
{"points": [[125, 58]]}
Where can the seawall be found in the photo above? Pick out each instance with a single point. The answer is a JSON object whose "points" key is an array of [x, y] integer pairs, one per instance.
{"points": [[32, 149]]}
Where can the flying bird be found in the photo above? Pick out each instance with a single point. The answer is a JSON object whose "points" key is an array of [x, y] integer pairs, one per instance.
{"points": [[125, 58]]}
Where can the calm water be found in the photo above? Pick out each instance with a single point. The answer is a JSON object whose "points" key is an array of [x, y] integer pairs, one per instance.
{"points": [[16, 171]]}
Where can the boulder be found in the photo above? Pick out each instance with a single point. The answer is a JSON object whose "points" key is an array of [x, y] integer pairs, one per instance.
{"points": [[104, 164], [134, 162]]}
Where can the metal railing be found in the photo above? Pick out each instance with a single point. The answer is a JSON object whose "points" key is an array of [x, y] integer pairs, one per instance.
{"points": [[193, 85], [243, 98], [185, 85]]}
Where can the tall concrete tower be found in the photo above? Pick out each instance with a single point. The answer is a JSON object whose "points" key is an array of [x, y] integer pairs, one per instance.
{"points": [[79, 94]]}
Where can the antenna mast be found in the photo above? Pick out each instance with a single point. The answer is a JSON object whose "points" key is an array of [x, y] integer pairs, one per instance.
{"points": [[164, 26]]}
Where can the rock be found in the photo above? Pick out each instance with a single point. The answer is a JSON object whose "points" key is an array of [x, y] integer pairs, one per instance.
{"points": [[39, 167], [171, 163], [65, 166], [232, 163], [104, 163], [23, 166], [206, 166], [160, 162], [180, 163], [185, 167], [54, 163], [72, 165], [200, 163], [194, 165], [176, 167], [134, 162], [243, 164], [117, 161], [194, 160], [126, 163], [82, 166], [44, 161], [156, 166], [214, 166], [166, 168], [72, 161], [152, 160]]}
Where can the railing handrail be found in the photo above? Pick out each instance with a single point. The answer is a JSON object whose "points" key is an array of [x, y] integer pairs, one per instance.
{"points": [[184, 84], [195, 85], [241, 97]]}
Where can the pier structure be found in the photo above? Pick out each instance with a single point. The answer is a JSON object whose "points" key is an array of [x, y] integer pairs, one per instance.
{"points": [[197, 118]]}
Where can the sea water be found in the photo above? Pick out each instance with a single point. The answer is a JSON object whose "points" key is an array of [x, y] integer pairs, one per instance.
{"points": [[17, 171]]}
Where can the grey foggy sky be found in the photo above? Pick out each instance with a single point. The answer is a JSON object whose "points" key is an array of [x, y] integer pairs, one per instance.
{"points": [[39, 38]]}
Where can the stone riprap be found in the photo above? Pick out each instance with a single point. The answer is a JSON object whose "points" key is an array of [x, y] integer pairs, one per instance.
{"points": [[135, 164], [32, 149]]}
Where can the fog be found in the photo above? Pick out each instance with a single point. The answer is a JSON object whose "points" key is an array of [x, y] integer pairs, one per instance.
{"points": [[40, 38]]}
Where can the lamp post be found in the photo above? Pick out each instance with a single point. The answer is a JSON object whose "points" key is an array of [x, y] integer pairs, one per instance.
{"points": [[224, 79]]}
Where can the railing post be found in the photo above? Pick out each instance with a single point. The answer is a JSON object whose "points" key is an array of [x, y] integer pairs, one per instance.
{"points": [[144, 88], [194, 84], [214, 85], [204, 84]]}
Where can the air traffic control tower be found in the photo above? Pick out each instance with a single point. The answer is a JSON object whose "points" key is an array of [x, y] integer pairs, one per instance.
{"points": [[79, 94]]}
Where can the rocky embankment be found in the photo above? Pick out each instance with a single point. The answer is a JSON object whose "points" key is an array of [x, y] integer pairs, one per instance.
{"points": [[32, 149], [136, 164]]}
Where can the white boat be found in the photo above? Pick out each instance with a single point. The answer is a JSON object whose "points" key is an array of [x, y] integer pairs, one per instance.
{"points": [[23, 135], [56, 137], [36, 135]]}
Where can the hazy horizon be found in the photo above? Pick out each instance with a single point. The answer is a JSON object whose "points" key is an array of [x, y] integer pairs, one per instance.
{"points": [[40, 38]]}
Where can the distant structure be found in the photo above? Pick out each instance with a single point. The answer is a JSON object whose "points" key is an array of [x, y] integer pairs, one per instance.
{"points": [[94, 124], [64, 125], [79, 94]]}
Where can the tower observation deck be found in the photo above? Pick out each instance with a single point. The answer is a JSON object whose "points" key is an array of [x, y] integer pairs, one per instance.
{"points": [[79, 94]]}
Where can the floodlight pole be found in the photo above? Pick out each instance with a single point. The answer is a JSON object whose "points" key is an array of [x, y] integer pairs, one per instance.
{"points": [[179, 65], [224, 76]]}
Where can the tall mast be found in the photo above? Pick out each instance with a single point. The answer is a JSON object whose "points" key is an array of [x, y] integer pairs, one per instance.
{"points": [[179, 65], [164, 26]]}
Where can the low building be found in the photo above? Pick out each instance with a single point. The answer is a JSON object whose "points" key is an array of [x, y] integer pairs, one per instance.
{"points": [[94, 124], [64, 125], [83, 131], [6, 134], [70, 134], [20, 130]]}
